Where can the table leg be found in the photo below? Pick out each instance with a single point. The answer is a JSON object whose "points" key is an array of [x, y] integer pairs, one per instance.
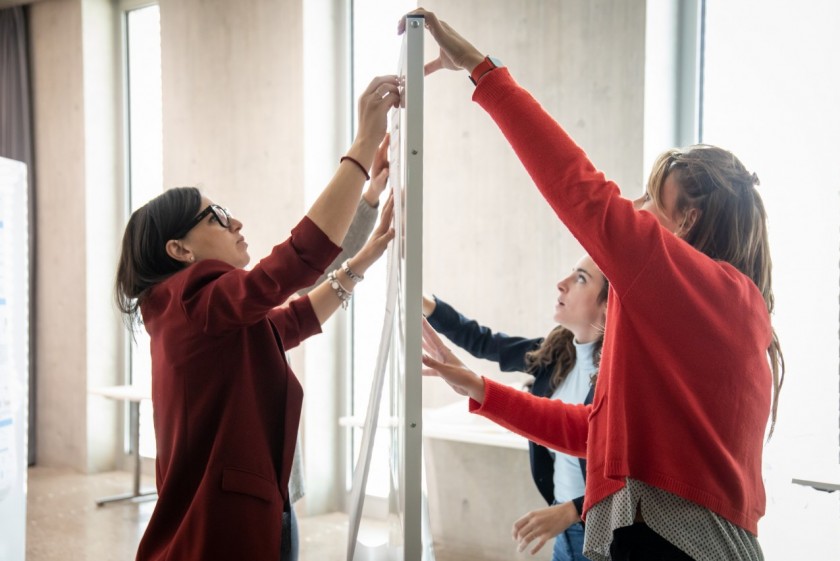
{"points": [[136, 495]]}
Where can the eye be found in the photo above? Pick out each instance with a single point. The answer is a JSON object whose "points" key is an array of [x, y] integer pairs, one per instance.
{"points": [[581, 279], [214, 218]]}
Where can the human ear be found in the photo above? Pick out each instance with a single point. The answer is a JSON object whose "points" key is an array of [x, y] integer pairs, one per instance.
{"points": [[688, 221], [177, 251]]}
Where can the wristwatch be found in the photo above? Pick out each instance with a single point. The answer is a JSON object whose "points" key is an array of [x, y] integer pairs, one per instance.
{"points": [[485, 66]]}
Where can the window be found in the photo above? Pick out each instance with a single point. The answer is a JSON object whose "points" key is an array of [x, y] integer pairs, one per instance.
{"points": [[376, 48], [771, 83], [143, 160]]}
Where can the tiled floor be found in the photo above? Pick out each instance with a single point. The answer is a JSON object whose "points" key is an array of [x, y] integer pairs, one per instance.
{"points": [[63, 521]]}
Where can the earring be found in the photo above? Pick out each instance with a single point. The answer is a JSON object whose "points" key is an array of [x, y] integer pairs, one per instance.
{"points": [[192, 259]]}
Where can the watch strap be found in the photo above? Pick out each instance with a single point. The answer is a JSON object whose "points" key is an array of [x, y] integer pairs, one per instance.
{"points": [[483, 68]]}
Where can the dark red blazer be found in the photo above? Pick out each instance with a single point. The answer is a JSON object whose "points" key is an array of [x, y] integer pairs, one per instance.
{"points": [[226, 403]]}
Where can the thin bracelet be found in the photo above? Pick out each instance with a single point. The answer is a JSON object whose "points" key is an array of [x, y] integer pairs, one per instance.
{"points": [[355, 161]]}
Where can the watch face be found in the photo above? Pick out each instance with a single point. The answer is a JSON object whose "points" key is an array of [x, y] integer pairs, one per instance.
{"points": [[496, 62]]}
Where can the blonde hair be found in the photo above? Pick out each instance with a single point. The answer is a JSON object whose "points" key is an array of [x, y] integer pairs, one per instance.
{"points": [[731, 223]]}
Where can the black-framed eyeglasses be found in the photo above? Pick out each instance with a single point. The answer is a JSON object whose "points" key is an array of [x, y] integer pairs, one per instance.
{"points": [[222, 216]]}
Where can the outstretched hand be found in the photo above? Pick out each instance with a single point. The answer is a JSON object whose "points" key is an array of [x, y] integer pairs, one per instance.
{"points": [[378, 98], [455, 51], [378, 173], [378, 240], [439, 361]]}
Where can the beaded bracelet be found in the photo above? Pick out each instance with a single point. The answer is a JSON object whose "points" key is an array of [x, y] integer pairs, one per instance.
{"points": [[343, 294], [355, 277], [355, 161]]}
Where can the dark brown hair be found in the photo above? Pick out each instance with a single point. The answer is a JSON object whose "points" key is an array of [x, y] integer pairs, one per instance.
{"points": [[143, 260], [731, 224], [558, 349]]}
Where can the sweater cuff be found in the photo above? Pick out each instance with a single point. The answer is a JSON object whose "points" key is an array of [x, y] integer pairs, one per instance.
{"points": [[312, 245], [491, 395], [443, 317], [493, 87]]}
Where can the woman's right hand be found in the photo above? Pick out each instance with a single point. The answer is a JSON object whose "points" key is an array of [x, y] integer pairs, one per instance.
{"points": [[455, 51], [439, 361], [378, 98]]}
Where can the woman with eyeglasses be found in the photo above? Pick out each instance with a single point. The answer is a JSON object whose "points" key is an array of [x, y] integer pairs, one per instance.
{"points": [[226, 404]]}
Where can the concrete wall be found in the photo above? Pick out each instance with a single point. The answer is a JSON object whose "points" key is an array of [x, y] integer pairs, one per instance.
{"points": [[78, 334], [232, 120], [493, 247]]}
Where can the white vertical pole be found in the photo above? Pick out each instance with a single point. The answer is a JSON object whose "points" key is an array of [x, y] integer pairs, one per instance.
{"points": [[411, 423]]}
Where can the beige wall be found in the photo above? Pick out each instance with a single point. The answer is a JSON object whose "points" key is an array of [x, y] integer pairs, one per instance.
{"points": [[77, 208], [493, 247], [232, 119]]}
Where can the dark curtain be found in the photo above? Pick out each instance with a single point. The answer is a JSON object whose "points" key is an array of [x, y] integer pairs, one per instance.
{"points": [[16, 144]]}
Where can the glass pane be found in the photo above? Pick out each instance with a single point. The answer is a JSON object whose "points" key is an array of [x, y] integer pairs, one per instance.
{"points": [[145, 167], [376, 48]]}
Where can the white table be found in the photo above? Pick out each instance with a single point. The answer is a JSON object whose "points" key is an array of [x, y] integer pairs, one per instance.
{"points": [[132, 395], [820, 477]]}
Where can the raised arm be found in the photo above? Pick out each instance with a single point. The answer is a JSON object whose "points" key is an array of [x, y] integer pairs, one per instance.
{"points": [[478, 340], [325, 297], [365, 217], [334, 209], [619, 239], [549, 422]]}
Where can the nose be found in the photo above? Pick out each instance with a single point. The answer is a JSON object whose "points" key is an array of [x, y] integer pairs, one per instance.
{"points": [[235, 225], [561, 286]]}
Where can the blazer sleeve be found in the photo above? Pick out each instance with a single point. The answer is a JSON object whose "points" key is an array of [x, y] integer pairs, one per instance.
{"points": [[223, 298], [549, 422], [295, 322], [357, 235], [481, 341]]}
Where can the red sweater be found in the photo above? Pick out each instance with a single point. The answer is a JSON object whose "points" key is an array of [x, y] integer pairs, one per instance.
{"points": [[227, 405], [683, 395]]}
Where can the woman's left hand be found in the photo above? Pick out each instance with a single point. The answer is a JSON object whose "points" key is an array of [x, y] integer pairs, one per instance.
{"points": [[455, 51]]}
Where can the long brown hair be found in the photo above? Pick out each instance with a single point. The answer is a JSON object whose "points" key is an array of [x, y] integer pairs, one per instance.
{"points": [[143, 260], [731, 224], [558, 349]]}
